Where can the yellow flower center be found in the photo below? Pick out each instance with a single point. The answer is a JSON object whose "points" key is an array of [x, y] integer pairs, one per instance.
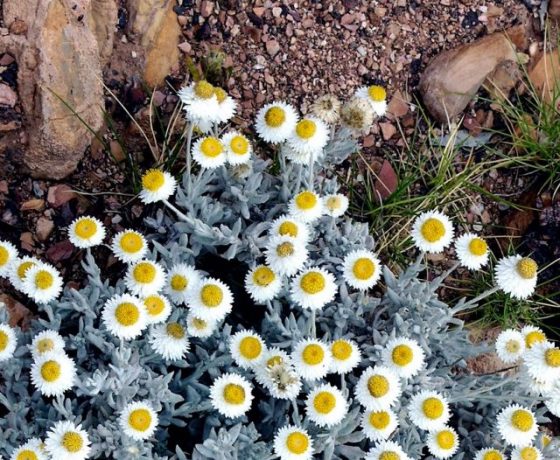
{"points": [[333, 203], [4, 256], [144, 273], [153, 180], [127, 314], [493, 455], [402, 355], [378, 386], [239, 145], [211, 147], [432, 408], [275, 117], [285, 249], [274, 361], [288, 228], [27, 455], [377, 93], [534, 337], [154, 305], [23, 267], [234, 394], [85, 228], [379, 420], [546, 440], [389, 455], [204, 90], [312, 282], [140, 419], [341, 350], [4, 340], [131, 243], [250, 347], [513, 346], [306, 200], [313, 354], [324, 402], [432, 230], [43, 279], [522, 420], [263, 276], [529, 453], [51, 371], [552, 357], [221, 95], [179, 282], [297, 443], [527, 268], [363, 268], [445, 439], [306, 129], [211, 295], [175, 330], [199, 324], [45, 345], [478, 247], [72, 441]]}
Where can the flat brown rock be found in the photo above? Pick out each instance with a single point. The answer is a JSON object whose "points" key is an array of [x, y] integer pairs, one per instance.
{"points": [[545, 75]]}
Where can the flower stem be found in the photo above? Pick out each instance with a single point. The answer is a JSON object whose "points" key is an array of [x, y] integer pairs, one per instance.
{"points": [[180, 215], [189, 157]]}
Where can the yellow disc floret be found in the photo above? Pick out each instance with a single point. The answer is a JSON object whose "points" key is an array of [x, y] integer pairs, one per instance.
{"points": [[534, 337], [179, 282], [312, 282], [211, 147], [85, 228], [513, 346], [45, 345], [4, 256], [377, 93], [274, 361], [127, 314], [285, 249], [363, 268], [250, 347], [275, 117], [131, 243], [199, 324], [313, 354], [378, 386], [211, 295], [527, 268], [552, 357], [432, 230], [333, 203], [154, 305], [402, 355], [288, 228], [297, 443], [144, 272], [529, 453], [23, 267], [478, 247], [522, 420], [445, 439], [175, 330], [204, 90], [43, 279], [306, 129], [433, 408], [72, 441], [493, 455], [341, 350], [263, 276], [140, 419], [324, 402], [234, 394], [4, 340], [239, 145], [221, 94], [26, 454], [153, 180], [389, 455], [379, 420], [51, 371], [306, 200]]}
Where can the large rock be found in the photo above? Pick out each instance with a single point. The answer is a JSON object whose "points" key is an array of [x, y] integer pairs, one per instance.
{"points": [[452, 79], [102, 21], [156, 25], [545, 75], [58, 64]]}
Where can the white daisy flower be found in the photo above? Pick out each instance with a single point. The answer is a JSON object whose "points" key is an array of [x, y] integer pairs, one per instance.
{"points": [[227, 106], [312, 359], [157, 308], [443, 443], [376, 96], [472, 251], [8, 342], [517, 276], [489, 454], [262, 284], [288, 226], [31, 450], [67, 441], [313, 288], [275, 122], [429, 410], [517, 425], [157, 186], [378, 388], [432, 231], [86, 232], [327, 108], [293, 443], [231, 395], [169, 341], [53, 373], [129, 246], [271, 357], [18, 271], [533, 335], [200, 102], [403, 356], [210, 300], [361, 269], [335, 205], [42, 283], [8, 255], [306, 206], [286, 255], [510, 346], [200, 328], [138, 420], [145, 277], [326, 406], [526, 453], [543, 362], [237, 146], [346, 355], [387, 450], [379, 424], [309, 137], [181, 279], [552, 399], [124, 316], [209, 152], [46, 342], [247, 349], [282, 381]]}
